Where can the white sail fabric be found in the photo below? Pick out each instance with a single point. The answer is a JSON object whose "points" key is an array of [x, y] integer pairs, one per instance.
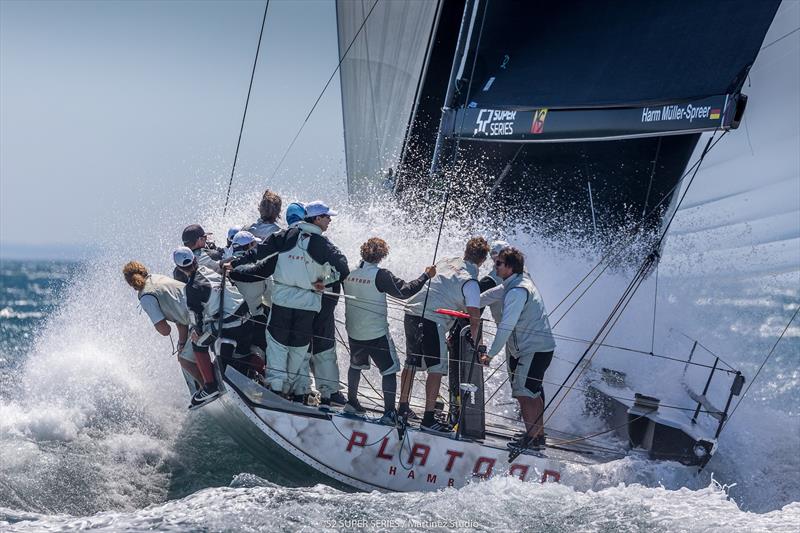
{"points": [[742, 214], [379, 78]]}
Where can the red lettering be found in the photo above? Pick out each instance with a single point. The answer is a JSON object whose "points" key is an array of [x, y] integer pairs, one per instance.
{"points": [[488, 461], [357, 439], [392, 470], [382, 451], [431, 478], [548, 474], [451, 482], [521, 469], [421, 451], [453, 456], [411, 475]]}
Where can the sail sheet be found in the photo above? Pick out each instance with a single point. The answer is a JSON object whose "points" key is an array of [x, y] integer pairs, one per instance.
{"points": [[379, 78]]}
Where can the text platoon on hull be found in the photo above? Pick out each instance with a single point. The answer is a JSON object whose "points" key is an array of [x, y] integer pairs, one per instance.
{"points": [[366, 455]]}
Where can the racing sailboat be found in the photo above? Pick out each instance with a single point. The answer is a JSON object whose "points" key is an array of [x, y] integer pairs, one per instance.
{"points": [[591, 114]]}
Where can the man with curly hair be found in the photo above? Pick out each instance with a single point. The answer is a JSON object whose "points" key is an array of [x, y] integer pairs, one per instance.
{"points": [[366, 319]]}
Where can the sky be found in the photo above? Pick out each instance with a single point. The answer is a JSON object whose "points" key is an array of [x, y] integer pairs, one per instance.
{"points": [[101, 102]]}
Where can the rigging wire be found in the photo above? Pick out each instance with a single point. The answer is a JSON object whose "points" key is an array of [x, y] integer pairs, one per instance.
{"points": [[313, 107], [244, 114], [794, 315]]}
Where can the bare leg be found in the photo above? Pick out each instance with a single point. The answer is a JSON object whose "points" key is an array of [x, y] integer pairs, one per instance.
{"points": [[432, 385], [406, 383], [205, 367], [532, 410]]}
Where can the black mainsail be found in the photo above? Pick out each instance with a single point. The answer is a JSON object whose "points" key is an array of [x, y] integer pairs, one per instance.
{"points": [[584, 114]]}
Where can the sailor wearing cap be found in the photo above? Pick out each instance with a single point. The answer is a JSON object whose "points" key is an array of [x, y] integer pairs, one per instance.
{"points": [[493, 279], [195, 238], [525, 333], [269, 209], [301, 262], [366, 313], [164, 301], [454, 287], [295, 212], [255, 290], [233, 230], [204, 294]]}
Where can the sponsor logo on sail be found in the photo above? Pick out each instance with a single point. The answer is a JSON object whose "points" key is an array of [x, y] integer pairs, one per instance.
{"points": [[686, 112], [539, 116], [494, 122]]}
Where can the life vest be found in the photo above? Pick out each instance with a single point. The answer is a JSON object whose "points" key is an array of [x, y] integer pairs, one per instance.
{"points": [[295, 273], [231, 312], [366, 313], [446, 290], [532, 332], [170, 296]]}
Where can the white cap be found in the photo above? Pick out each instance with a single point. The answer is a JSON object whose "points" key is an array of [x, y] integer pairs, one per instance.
{"points": [[317, 208], [244, 238], [183, 256], [498, 246], [233, 230]]}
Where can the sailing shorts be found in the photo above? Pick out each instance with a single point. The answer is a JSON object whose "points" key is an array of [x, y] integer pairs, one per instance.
{"points": [[426, 347], [527, 372], [380, 350]]}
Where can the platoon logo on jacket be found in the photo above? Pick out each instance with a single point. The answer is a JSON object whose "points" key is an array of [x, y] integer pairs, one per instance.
{"points": [[494, 122], [686, 112], [539, 116]]}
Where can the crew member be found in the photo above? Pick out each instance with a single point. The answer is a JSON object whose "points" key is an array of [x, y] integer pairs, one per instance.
{"points": [[295, 212], [233, 230], [454, 287], [367, 326], [324, 363], [493, 279], [196, 239], [164, 301], [525, 333], [301, 262], [205, 299], [269, 209], [256, 292]]}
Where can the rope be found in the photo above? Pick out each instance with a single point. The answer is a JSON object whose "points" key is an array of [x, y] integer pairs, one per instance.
{"points": [[794, 315], [313, 107], [246, 103]]}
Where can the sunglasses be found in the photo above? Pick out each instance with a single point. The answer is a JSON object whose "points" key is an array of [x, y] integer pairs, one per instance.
{"points": [[499, 263]]}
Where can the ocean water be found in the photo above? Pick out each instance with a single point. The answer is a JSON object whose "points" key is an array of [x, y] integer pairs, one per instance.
{"points": [[94, 431]]}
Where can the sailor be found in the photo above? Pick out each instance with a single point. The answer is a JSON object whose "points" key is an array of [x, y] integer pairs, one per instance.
{"points": [[493, 279], [366, 313], [525, 333], [233, 230], [454, 287], [269, 209], [256, 292], [301, 262], [164, 301], [196, 239], [205, 299], [324, 363], [295, 212]]}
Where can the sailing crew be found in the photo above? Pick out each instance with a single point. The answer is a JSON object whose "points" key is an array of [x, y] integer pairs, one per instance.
{"points": [[301, 262], [256, 292], [269, 209], [196, 239], [324, 363], [366, 313], [233, 230], [529, 343], [164, 301], [454, 287], [206, 298]]}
